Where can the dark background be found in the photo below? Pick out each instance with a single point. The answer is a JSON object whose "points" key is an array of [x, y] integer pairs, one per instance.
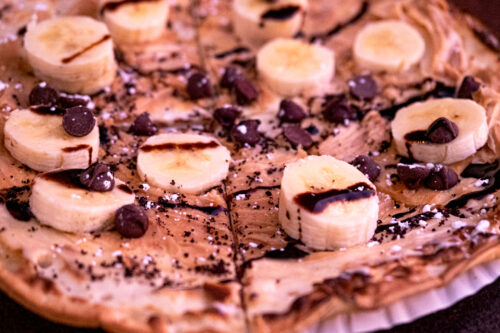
{"points": [[478, 313]]}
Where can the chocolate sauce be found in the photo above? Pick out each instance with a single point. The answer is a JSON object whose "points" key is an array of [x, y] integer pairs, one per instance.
{"points": [[117, 4], [125, 188], [48, 110], [210, 210], [227, 53], [479, 171], [317, 202], [79, 53], [180, 146], [19, 210], [69, 178], [417, 136], [362, 11], [283, 13], [80, 147], [290, 251], [75, 148]]}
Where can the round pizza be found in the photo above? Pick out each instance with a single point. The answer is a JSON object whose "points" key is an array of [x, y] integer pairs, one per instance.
{"points": [[245, 165]]}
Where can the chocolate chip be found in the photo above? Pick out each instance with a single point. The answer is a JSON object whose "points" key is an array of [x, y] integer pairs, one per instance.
{"points": [[442, 130], [413, 175], [245, 91], [337, 110], [468, 87], [290, 112], [42, 94], [78, 121], [442, 178], [246, 132], [143, 125], [363, 87], [131, 221], [367, 166], [229, 76], [19, 210], [98, 177], [297, 136], [199, 86], [226, 116]]}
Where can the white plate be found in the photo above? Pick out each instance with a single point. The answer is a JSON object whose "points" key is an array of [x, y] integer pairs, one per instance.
{"points": [[413, 307]]}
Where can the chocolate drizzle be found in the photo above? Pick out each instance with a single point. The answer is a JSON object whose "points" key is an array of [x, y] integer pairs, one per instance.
{"points": [[417, 136], [210, 210], [48, 110], [69, 178], [180, 146], [290, 251], [236, 50], [125, 188], [283, 13], [489, 171], [317, 202], [117, 4], [85, 49], [80, 147]]}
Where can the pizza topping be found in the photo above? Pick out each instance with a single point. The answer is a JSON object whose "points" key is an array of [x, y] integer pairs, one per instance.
{"points": [[227, 115], [131, 221], [98, 177], [245, 91], [413, 175], [367, 166], [297, 136], [327, 203], [468, 87], [363, 87], [229, 76], [143, 125], [338, 111], [290, 111], [442, 178], [442, 130], [42, 94], [246, 132], [78, 121], [199, 86]]}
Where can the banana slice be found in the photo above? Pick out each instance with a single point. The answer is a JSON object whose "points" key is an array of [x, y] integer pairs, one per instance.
{"points": [[135, 22], [72, 53], [388, 45], [39, 141], [327, 203], [258, 21], [189, 163], [469, 117], [291, 67], [58, 201]]}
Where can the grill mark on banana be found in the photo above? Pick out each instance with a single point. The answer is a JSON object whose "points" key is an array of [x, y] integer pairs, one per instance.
{"points": [[85, 49], [327, 203], [187, 163], [469, 116], [58, 200], [39, 141]]}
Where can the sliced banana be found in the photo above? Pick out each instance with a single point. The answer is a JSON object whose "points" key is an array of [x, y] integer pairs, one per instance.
{"points": [[291, 67], [327, 203], [57, 202], [72, 53], [135, 21], [388, 46], [469, 116], [258, 21], [187, 163], [40, 142]]}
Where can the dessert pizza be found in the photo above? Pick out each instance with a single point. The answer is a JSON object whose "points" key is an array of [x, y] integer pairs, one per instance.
{"points": [[246, 165]]}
